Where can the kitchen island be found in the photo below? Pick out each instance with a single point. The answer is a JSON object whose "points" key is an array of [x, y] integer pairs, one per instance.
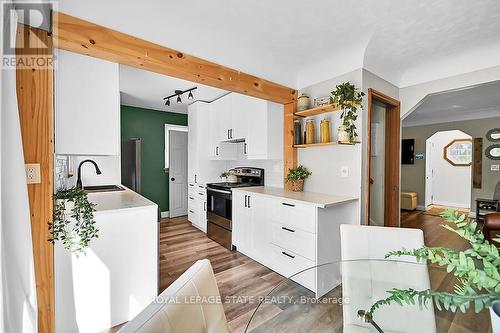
{"points": [[118, 274], [293, 231]]}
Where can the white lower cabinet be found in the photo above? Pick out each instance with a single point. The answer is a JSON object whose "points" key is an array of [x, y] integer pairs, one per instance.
{"points": [[197, 207], [290, 236]]}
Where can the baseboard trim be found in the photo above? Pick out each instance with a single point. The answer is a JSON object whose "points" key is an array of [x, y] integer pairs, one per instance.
{"points": [[450, 204], [165, 214]]}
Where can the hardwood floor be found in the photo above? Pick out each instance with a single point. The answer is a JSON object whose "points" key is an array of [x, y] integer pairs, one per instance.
{"points": [[237, 275]]}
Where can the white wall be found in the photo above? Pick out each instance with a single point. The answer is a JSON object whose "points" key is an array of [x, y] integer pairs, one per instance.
{"points": [[273, 169], [110, 167], [450, 184]]}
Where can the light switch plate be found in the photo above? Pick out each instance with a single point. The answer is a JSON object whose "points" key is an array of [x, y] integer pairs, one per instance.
{"points": [[495, 167], [344, 172], [33, 173]]}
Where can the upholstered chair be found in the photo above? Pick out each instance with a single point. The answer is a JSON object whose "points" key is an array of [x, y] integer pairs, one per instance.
{"points": [[191, 304]]}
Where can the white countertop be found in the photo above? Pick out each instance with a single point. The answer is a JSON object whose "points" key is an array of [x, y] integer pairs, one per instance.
{"points": [[110, 201], [311, 198]]}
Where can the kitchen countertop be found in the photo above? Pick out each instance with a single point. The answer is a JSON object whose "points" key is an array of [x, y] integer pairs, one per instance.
{"points": [[117, 200], [319, 200]]}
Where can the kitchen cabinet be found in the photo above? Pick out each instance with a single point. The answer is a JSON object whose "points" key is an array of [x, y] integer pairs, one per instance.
{"points": [[87, 105], [290, 232], [201, 169], [197, 207], [237, 119]]}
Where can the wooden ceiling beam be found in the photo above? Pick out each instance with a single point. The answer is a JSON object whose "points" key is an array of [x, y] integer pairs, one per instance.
{"points": [[83, 37]]}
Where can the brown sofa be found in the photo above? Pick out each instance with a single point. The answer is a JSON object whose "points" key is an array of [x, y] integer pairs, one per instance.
{"points": [[491, 228]]}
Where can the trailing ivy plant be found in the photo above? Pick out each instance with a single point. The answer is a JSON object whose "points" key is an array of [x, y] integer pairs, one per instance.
{"points": [[477, 270], [78, 229], [299, 173], [349, 98]]}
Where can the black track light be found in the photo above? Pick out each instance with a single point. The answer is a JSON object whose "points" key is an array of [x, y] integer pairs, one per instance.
{"points": [[190, 96], [178, 95], [167, 103], [179, 100]]}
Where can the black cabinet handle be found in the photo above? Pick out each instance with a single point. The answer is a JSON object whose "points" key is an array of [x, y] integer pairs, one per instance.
{"points": [[287, 204], [191, 198], [191, 184], [245, 201], [205, 206], [231, 133], [228, 134], [191, 211], [285, 228], [195, 180], [288, 255], [245, 149], [248, 205], [200, 193], [217, 151]]}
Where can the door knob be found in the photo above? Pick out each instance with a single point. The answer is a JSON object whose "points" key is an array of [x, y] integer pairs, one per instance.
{"points": [[172, 179]]}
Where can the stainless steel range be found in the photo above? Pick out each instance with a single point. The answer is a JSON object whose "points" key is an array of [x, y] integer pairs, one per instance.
{"points": [[219, 203]]}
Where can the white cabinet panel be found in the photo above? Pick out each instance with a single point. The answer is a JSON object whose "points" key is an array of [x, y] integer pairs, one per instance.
{"points": [[296, 240], [87, 105], [289, 263]]}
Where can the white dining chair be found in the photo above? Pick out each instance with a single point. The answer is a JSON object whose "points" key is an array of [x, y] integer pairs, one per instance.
{"points": [[367, 276], [190, 304]]}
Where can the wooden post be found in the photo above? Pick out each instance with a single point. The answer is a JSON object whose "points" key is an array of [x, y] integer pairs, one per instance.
{"points": [[34, 94], [289, 152]]}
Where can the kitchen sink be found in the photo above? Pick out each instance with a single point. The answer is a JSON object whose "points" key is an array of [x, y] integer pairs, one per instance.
{"points": [[103, 188]]}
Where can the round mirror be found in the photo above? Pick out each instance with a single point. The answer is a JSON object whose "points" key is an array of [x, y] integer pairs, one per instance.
{"points": [[493, 152], [493, 135]]}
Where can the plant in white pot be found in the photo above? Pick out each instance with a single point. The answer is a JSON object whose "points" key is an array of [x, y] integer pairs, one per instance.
{"points": [[477, 270], [73, 222], [349, 98]]}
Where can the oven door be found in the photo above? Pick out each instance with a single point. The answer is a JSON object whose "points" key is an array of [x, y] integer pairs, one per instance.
{"points": [[219, 205]]}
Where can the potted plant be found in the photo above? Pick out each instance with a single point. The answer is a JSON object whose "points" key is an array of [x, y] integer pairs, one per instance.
{"points": [[73, 223], [476, 268], [296, 178], [349, 98]]}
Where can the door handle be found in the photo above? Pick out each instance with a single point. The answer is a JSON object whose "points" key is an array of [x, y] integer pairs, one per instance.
{"points": [[172, 179], [371, 181], [288, 255]]}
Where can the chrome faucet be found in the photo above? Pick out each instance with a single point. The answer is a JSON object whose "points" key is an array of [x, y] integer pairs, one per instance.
{"points": [[79, 179]]}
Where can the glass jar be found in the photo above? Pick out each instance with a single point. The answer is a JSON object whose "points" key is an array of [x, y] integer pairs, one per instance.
{"points": [[324, 130], [310, 135]]}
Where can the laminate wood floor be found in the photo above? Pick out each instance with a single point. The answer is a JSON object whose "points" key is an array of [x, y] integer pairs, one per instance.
{"points": [[239, 276]]}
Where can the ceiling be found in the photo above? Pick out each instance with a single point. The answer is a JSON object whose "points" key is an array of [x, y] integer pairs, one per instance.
{"points": [[147, 89], [299, 43], [475, 102]]}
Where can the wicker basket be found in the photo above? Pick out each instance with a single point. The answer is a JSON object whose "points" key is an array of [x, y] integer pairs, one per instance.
{"points": [[297, 185]]}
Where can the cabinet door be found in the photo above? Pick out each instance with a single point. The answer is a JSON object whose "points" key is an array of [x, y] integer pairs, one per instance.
{"points": [[192, 143], [201, 221], [87, 105], [214, 125], [241, 223], [241, 112], [260, 228], [256, 141]]}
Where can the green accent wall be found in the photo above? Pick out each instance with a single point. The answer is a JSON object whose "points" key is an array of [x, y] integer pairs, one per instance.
{"points": [[149, 126]]}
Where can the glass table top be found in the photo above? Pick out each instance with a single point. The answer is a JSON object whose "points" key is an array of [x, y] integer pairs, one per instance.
{"points": [[338, 296]]}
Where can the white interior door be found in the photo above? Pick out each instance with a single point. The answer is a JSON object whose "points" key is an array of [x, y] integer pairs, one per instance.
{"points": [[178, 169], [428, 173]]}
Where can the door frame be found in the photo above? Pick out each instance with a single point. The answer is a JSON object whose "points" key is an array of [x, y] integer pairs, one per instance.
{"points": [[170, 128], [392, 158]]}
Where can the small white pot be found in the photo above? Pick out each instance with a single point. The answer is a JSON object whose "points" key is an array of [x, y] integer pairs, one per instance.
{"points": [[495, 317]]}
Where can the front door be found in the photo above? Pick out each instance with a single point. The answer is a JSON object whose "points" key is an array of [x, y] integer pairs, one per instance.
{"points": [[178, 201]]}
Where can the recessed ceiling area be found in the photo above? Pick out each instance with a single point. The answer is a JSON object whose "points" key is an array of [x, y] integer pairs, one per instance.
{"points": [[475, 102], [146, 89], [298, 43]]}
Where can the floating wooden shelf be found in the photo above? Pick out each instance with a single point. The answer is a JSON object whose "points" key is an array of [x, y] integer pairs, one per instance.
{"points": [[325, 144], [318, 110]]}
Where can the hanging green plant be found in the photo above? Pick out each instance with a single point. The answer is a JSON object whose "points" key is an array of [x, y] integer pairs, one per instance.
{"points": [[73, 223], [349, 98]]}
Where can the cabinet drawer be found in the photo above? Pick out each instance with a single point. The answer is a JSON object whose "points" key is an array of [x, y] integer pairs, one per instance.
{"points": [[200, 192], [293, 239], [192, 216], [295, 215], [192, 203], [288, 263]]}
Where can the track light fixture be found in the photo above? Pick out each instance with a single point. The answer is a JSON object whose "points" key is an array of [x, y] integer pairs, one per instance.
{"points": [[178, 94]]}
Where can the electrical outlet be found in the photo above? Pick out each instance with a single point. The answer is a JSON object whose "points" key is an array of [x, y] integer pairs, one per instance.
{"points": [[495, 167], [33, 173], [344, 172]]}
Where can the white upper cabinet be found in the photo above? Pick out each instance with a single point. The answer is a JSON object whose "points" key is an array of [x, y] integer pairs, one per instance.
{"points": [[237, 117], [87, 106], [201, 169]]}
